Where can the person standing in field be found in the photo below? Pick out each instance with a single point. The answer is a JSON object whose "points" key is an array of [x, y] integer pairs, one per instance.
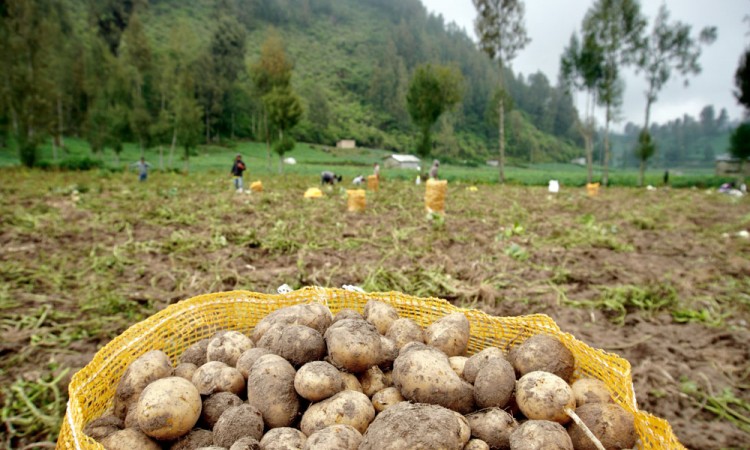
{"points": [[434, 169], [376, 170], [142, 167], [237, 168]]}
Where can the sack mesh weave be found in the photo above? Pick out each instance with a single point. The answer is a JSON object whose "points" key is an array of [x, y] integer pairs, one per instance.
{"points": [[356, 200], [434, 195], [373, 183], [175, 328]]}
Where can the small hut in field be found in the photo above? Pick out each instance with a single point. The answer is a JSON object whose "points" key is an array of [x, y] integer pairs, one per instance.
{"points": [[402, 162]]}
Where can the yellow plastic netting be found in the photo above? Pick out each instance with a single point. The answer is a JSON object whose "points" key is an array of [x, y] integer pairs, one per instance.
{"points": [[592, 189], [178, 326], [373, 182], [356, 200], [256, 186], [434, 195]]}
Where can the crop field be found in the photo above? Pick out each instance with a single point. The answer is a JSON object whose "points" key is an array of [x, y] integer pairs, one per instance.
{"points": [[661, 277]]}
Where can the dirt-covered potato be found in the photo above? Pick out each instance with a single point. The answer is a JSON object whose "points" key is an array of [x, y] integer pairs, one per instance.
{"points": [[149, 367], [380, 314], [314, 315], [185, 370], [246, 443], [215, 405], [540, 435], [334, 437], [372, 380], [351, 382], [416, 425], [102, 427], [196, 353], [347, 407], [298, 344], [228, 347], [215, 376], [195, 439], [493, 426], [347, 313], [129, 439], [494, 384], [423, 374], [404, 331], [476, 444], [450, 334], [270, 388], [169, 408], [238, 422], [248, 358], [542, 352], [590, 390], [476, 361], [612, 425], [283, 438], [544, 396], [386, 398], [390, 353], [318, 380], [354, 345], [458, 363]]}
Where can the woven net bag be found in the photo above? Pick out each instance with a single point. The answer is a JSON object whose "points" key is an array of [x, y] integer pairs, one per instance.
{"points": [[434, 195]]}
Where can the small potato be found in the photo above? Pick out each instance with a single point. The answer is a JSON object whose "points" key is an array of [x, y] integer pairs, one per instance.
{"points": [[450, 334], [390, 353], [347, 313], [351, 382], [346, 407], [248, 358], [611, 424], [297, 344], [215, 376], [494, 384], [544, 396], [590, 390], [194, 439], [228, 347], [372, 381], [458, 363], [386, 398], [246, 443], [388, 378], [404, 331], [380, 314], [354, 345], [238, 422], [318, 380], [215, 405], [334, 437], [314, 315], [476, 444], [168, 408], [149, 367], [542, 352], [185, 370], [270, 388], [493, 426], [102, 427], [131, 420], [283, 439], [196, 353], [129, 439], [416, 425], [540, 435], [476, 361]]}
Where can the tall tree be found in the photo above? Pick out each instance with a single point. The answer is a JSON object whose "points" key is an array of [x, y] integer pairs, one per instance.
{"points": [[669, 47], [502, 34], [137, 63], [617, 28], [739, 145], [742, 81], [284, 112], [432, 91]]}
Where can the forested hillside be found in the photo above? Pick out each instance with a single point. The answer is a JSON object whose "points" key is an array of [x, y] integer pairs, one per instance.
{"points": [[186, 72]]}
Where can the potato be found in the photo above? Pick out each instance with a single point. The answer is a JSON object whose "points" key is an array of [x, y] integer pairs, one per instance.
{"points": [[129, 439], [494, 384], [196, 353], [590, 390], [388, 378], [390, 353], [215, 376], [351, 383], [270, 388], [611, 424], [354, 345], [283, 439], [334, 437], [540, 435], [238, 422], [380, 314], [418, 426], [211, 447], [168, 408], [318, 380], [386, 398], [102, 427], [149, 367], [476, 444], [423, 374], [185, 370], [228, 347], [542, 352], [372, 381], [215, 405], [450, 334], [131, 420], [246, 443], [544, 396], [458, 363], [194, 439], [493, 426], [297, 344], [476, 361], [315, 315], [404, 331], [347, 313], [347, 407], [248, 358]]}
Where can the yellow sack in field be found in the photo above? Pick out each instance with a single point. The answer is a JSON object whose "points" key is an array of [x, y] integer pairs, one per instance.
{"points": [[313, 193], [178, 326], [592, 189], [256, 186], [373, 182], [356, 200], [434, 195]]}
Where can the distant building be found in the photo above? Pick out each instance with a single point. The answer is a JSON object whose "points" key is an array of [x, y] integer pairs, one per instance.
{"points": [[579, 161], [402, 162], [729, 165], [493, 163], [346, 143]]}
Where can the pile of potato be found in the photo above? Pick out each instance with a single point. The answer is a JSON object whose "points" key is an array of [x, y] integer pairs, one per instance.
{"points": [[305, 379]]}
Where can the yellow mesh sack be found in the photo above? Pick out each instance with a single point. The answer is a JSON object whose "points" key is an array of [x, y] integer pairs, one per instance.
{"points": [[256, 186], [373, 183], [178, 326], [356, 200], [313, 193], [434, 195], [592, 189]]}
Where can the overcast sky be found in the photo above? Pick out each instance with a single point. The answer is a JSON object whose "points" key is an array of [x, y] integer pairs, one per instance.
{"points": [[550, 23]]}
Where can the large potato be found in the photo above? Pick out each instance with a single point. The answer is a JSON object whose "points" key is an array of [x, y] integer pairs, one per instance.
{"points": [[185, 370], [318, 380], [423, 374], [149, 367], [416, 426], [104, 426], [246, 443], [540, 435], [590, 390], [347, 407], [334, 437], [238, 422], [476, 361], [129, 439], [228, 347], [380, 314], [298, 344], [354, 345], [347, 313], [450, 334], [612, 425], [494, 384], [315, 315], [215, 376], [283, 438], [168, 408], [270, 388], [195, 439], [493, 426], [248, 358], [196, 353], [404, 331], [542, 352], [544, 396]]}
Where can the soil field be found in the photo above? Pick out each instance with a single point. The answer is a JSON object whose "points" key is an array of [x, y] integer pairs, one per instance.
{"points": [[660, 277]]}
